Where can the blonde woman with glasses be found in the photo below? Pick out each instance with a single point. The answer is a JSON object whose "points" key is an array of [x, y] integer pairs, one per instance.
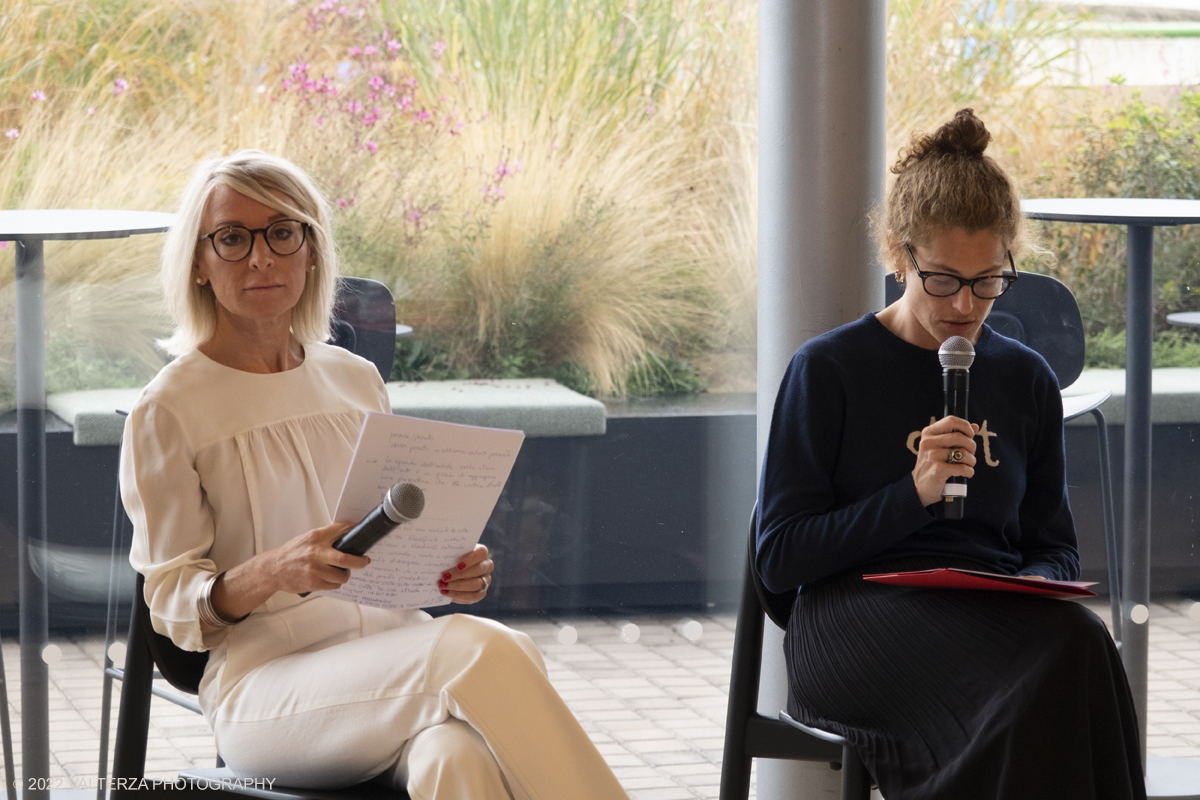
{"points": [[232, 462]]}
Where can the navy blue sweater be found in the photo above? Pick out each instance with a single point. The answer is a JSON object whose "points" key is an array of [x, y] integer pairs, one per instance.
{"points": [[837, 489]]}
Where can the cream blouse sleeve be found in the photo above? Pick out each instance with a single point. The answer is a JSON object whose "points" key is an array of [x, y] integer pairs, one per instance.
{"points": [[173, 527]]}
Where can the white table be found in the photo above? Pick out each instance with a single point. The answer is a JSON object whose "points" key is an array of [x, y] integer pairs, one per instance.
{"points": [[1166, 778], [30, 230]]}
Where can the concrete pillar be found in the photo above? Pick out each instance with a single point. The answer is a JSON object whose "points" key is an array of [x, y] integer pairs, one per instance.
{"points": [[821, 169]]}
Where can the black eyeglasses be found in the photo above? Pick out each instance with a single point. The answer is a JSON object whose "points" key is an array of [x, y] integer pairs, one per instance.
{"points": [[941, 284], [233, 242]]}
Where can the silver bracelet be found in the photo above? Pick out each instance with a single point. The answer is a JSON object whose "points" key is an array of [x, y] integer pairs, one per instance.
{"points": [[208, 614]]}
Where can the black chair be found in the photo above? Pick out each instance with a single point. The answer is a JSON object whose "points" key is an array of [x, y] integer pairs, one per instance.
{"points": [[365, 324], [750, 735], [1041, 313]]}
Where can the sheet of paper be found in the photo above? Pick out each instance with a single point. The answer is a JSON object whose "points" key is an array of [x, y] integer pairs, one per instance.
{"points": [[461, 469]]}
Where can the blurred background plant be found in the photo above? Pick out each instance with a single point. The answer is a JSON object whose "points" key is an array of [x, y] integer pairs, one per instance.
{"points": [[1134, 149], [550, 188]]}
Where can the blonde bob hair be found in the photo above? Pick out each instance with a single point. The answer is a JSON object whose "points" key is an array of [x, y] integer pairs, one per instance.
{"points": [[256, 175]]}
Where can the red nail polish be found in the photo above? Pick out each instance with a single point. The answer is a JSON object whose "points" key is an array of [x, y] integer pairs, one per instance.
{"points": [[445, 591], [446, 575], [442, 583], [462, 565]]}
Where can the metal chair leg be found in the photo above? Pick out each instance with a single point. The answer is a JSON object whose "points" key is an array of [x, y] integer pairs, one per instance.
{"points": [[110, 634], [1111, 543], [743, 692], [856, 781], [6, 734], [133, 721]]}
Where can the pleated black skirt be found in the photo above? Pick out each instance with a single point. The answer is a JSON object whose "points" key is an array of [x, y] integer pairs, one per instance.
{"points": [[964, 694]]}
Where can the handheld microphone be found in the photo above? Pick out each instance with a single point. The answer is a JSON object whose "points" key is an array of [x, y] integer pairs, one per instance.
{"points": [[956, 356], [404, 502]]}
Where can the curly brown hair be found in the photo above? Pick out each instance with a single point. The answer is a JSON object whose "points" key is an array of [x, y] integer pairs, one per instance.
{"points": [[944, 181]]}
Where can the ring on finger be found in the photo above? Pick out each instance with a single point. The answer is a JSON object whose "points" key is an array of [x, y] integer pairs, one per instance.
{"points": [[487, 582], [954, 456]]}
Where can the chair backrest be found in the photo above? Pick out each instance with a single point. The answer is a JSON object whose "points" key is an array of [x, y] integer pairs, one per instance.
{"points": [[182, 669], [1040, 313], [365, 322]]}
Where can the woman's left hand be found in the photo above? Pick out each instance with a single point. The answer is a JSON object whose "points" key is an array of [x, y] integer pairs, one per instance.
{"points": [[468, 581]]}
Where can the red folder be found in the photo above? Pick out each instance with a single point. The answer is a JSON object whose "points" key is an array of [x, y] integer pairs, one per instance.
{"points": [[970, 579]]}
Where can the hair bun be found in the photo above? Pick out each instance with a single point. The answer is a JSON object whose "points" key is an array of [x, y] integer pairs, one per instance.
{"points": [[964, 135]]}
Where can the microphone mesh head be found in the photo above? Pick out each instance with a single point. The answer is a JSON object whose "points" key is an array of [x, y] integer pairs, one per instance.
{"points": [[956, 353], [407, 500]]}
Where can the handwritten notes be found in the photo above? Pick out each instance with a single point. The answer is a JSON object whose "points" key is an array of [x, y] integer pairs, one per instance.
{"points": [[460, 468]]}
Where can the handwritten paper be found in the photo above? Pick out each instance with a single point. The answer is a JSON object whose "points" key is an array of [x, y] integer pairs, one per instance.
{"points": [[461, 469]]}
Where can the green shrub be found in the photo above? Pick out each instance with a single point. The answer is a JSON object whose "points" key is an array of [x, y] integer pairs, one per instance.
{"points": [[1137, 150], [1171, 348]]}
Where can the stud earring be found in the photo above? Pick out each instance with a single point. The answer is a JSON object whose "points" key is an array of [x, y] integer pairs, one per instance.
{"points": [[899, 276]]}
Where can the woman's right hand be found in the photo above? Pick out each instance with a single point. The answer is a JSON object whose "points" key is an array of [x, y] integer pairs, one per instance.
{"points": [[305, 564], [309, 563], [934, 460]]}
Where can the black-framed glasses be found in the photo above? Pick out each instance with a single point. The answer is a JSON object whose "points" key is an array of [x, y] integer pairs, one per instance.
{"points": [[234, 242], [942, 284]]}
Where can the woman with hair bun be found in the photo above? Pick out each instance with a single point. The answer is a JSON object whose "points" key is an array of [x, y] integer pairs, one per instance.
{"points": [[944, 693]]}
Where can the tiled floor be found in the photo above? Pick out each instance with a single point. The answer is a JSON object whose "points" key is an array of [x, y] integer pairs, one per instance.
{"points": [[655, 707]]}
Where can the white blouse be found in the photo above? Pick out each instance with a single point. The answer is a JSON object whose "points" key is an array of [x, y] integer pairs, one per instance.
{"points": [[218, 465]]}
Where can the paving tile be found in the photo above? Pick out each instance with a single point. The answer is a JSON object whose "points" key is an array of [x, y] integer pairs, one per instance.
{"points": [[656, 709]]}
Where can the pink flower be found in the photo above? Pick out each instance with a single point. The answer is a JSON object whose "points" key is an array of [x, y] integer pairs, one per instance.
{"points": [[286, 83], [13, 133], [370, 50], [414, 215], [319, 121], [355, 51], [425, 116], [371, 146], [120, 85], [517, 167], [438, 49], [298, 70], [388, 89], [393, 45], [343, 10], [369, 119], [39, 95], [354, 107], [375, 82], [404, 103], [91, 109], [502, 170], [649, 110], [554, 146]]}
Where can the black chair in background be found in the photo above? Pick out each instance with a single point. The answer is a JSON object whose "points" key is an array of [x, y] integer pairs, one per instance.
{"points": [[1041, 313], [365, 324], [749, 734]]}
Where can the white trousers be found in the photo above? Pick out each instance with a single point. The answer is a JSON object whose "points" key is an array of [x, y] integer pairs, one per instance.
{"points": [[456, 707]]}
